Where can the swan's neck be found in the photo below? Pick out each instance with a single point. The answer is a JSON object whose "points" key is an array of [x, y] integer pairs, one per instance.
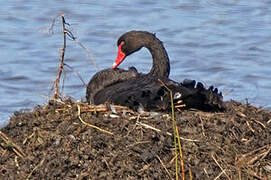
{"points": [[160, 58]]}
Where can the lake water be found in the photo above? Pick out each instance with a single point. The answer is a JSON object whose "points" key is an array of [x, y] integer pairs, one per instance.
{"points": [[222, 43]]}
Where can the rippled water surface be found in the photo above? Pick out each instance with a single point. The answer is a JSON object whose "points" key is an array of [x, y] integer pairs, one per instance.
{"points": [[225, 43]]}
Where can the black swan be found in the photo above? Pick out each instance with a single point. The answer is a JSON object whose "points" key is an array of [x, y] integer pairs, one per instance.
{"points": [[133, 41], [147, 91], [106, 78]]}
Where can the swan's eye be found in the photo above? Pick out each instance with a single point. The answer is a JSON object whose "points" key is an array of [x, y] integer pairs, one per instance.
{"points": [[122, 46], [122, 43]]}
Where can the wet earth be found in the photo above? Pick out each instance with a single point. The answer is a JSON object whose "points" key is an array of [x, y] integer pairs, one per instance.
{"points": [[72, 140]]}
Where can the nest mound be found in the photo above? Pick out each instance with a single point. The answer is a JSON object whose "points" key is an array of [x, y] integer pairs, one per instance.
{"points": [[75, 141]]}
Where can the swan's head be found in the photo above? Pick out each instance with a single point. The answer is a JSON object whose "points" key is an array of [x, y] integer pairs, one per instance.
{"points": [[131, 42]]}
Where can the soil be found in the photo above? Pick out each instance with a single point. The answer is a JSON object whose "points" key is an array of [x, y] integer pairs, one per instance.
{"points": [[71, 140]]}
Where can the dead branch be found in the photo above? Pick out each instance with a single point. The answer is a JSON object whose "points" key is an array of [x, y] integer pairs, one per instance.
{"points": [[61, 65], [77, 73], [163, 165], [9, 144], [66, 34], [90, 125], [88, 54]]}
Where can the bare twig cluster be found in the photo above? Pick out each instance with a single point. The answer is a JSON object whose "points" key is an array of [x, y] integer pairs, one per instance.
{"points": [[62, 55], [66, 33]]}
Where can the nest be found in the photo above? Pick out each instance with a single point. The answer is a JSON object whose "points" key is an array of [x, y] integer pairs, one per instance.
{"points": [[71, 140]]}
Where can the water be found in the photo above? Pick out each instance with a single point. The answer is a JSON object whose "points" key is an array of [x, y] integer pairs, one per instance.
{"points": [[224, 43]]}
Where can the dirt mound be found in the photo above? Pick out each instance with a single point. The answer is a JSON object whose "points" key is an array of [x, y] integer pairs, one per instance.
{"points": [[74, 141]]}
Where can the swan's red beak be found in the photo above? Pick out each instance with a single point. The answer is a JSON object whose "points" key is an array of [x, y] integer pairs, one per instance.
{"points": [[120, 57]]}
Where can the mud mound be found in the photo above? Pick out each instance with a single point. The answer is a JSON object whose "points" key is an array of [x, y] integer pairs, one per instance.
{"points": [[72, 141]]}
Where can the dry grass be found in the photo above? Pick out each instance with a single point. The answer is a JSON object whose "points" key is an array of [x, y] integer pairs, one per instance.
{"points": [[140, 143]]}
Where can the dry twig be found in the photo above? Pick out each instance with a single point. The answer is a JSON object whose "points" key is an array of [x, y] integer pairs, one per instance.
{"points": [[66, 33], [164, 166], [61, 65], [77, 73], [12, 145], [90, 125], [39, 165], [223, 170], [253, 156]]}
